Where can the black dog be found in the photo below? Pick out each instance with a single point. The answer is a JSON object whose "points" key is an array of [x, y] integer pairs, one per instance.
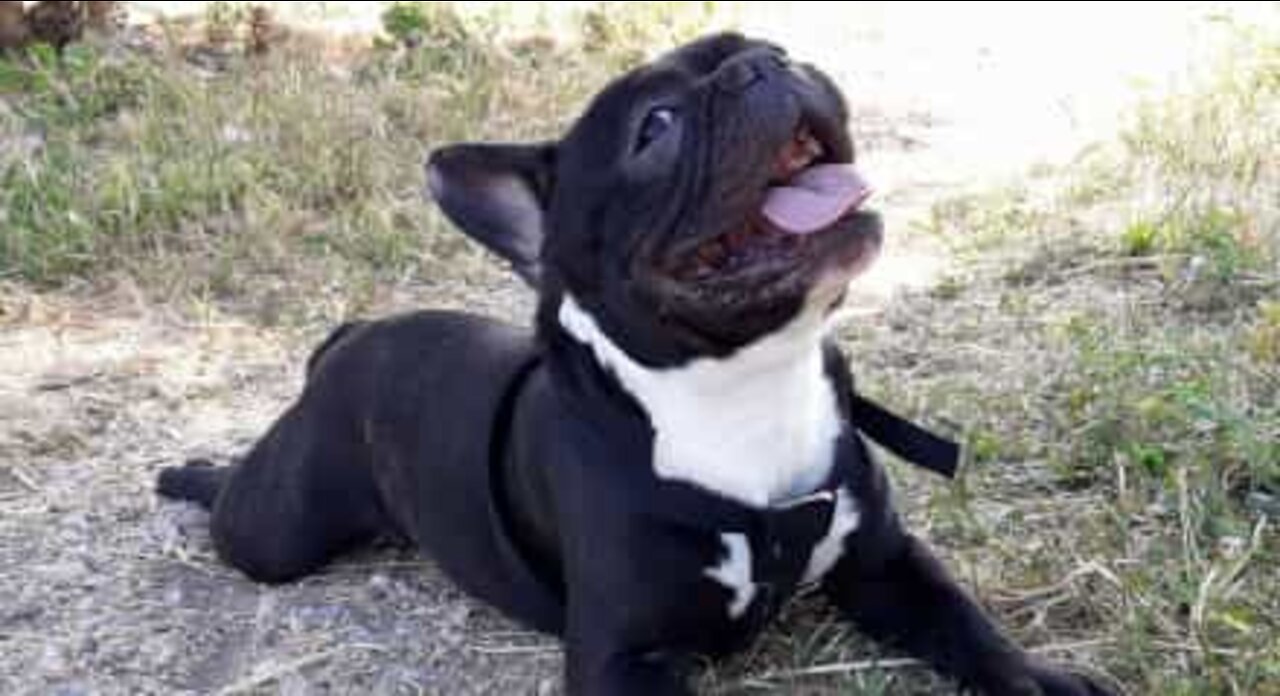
{"points": [[677, 448]]}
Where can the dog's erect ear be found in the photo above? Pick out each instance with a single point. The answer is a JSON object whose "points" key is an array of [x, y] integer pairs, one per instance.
{"points": [[498, 195]]}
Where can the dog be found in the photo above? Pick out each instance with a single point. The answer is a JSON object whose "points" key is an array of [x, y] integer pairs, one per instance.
{"points": [[676, 447]]}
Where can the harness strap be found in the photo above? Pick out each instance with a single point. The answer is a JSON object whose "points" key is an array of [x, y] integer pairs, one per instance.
{"points": [[904, 438]]}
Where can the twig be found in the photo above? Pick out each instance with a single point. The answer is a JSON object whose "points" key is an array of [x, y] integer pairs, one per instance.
{"points": [[23, 479], [68, 383], [1091, 568], [1259, 281], [264, 674], [1185, 648], [511, 635], [1124, 263], [1192, 558], [1071, 647], [260, 677], [841, 668], [1201, 606], [515, 649], [838, 668], [1215, 581], [1255, 545]]}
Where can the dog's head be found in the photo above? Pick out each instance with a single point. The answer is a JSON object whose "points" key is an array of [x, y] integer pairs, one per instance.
{"points": [[702, 202]]}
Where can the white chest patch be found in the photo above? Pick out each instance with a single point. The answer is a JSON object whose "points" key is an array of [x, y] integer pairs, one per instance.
{"points": [[759, 426], [825, 555], [734, 572]]}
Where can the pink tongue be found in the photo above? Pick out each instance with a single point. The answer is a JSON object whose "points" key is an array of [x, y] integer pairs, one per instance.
{"points": [[816, 198]]}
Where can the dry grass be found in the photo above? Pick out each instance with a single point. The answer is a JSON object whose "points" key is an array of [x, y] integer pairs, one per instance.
{"points": [[1106, 350], [208, 170]]}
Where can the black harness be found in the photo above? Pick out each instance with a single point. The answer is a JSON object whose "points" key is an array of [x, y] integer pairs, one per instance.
{"points": [[905, 439], [781, 537], [626, 500]]}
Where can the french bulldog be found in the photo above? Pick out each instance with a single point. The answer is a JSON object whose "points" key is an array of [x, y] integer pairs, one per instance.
{"points": [[676, 448]]}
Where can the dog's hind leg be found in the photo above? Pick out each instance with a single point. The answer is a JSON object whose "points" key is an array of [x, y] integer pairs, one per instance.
{"points": [[198, 481], [303, 495]]}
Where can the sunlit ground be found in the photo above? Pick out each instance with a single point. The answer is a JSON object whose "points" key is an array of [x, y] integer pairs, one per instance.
{"points": [[977, 90], [1014, 82]]}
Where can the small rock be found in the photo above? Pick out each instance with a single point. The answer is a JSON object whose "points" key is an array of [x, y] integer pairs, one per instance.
{"points": [[210, 59], [459, 615], [234, 135], [294, 685], [1231, 547], [174, 596], [1194, 269], [21, 615], [64, 572], [53, 661], [1264, 503]]}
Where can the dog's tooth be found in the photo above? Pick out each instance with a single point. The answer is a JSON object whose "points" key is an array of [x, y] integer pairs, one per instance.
{"points": [[739, 237], [808, 144], [713, 253], [722, 254]]}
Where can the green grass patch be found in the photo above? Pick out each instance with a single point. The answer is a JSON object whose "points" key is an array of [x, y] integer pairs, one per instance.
{"points": [[218, 177]]}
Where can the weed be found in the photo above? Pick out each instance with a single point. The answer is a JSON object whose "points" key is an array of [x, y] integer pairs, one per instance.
{"points": [[1264, 337], [1147, 388]]}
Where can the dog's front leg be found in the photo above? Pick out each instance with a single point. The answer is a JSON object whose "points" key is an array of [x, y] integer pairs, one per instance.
{"points": [[601, 661], [625, 674], [909, 601]]}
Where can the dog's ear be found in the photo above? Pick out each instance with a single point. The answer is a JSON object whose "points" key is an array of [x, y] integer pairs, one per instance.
{"points": [[498, 194]]}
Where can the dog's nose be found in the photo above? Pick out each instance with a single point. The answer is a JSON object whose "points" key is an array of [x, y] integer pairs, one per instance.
{"points": [[746, 69]]}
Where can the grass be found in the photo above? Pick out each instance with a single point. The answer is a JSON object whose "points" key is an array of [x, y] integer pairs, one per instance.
{"points": [[206, 172], [1119, 331], [1108, 346]]}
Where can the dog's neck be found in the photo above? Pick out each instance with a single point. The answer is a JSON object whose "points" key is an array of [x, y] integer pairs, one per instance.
{"points": [[758, 426]]}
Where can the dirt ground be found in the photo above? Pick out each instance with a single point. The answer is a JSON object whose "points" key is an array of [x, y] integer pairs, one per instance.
{"points": [[106, 590]]}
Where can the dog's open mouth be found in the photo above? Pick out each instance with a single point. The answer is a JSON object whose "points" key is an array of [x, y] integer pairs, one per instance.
{"points": [[804, 216]]}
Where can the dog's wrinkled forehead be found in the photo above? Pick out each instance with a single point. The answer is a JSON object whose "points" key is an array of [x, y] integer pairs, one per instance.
{"points": [[702, 57], [609, 127]]}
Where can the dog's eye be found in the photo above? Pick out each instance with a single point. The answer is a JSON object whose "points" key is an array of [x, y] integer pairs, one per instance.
{"points": [[655, 123]]}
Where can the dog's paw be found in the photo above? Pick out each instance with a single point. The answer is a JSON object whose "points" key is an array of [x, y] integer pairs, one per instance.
{"points": [[1056, 681]]}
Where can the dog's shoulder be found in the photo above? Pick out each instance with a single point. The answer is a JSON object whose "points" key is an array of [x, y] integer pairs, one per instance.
{"points": [[334, 337], [404, 335], [394, 367]]}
